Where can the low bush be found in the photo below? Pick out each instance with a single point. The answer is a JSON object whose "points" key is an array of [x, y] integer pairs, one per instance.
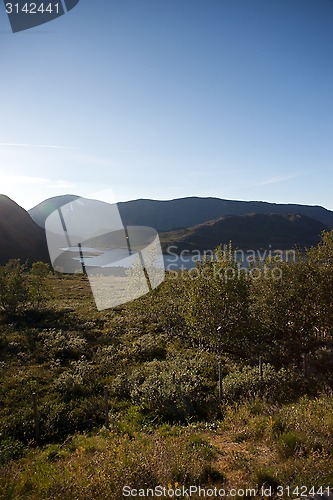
{"points": [[10, 449], [275, 385], [63, 345], [173, 390]]}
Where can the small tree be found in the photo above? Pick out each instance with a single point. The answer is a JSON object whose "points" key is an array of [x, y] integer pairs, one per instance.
{"points": [[38, 289], [216, 306], [13, 286], [320, 259]]}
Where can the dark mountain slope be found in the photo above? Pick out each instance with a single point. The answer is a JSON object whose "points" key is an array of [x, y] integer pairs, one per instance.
{"points": [[20, 237], [188, 212], [251, 231]]}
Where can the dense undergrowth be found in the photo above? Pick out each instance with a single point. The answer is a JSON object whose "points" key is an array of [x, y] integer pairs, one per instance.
{"points": [[159, 358]]}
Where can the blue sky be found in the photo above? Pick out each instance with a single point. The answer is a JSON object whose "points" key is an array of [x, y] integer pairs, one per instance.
{"points": [[170, 98]]}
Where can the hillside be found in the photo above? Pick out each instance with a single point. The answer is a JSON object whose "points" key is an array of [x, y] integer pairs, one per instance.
{"points": [[187, 212], [20, 236], [251, 231]]}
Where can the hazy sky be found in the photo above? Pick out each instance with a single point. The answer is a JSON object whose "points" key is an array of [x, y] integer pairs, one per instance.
{"points": [[170, 98]]}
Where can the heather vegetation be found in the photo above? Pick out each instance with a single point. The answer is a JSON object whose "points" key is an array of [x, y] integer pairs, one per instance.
{"points": [[158, 357]]}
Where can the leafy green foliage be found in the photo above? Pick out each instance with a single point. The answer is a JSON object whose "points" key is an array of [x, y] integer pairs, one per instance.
{"points": [[275, 385], [20, 288], [10, 449], [159, 356], [13, 286], [216, 303], [174, 390], [39, 289]]}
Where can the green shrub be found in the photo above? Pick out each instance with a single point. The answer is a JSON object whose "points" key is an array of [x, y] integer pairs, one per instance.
{"points": [[76, 381], [275, 385], [177, 389], [13, 286], [148, 347], [10, 449], [39, 290], [63, 345], [289, 443]]}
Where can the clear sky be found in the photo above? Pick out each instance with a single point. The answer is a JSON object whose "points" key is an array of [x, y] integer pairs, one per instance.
{"points": [[170, 98]]}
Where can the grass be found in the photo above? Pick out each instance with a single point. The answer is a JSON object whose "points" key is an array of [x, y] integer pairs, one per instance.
{"points": [[166, 426], [99, 465], [290, 445]]}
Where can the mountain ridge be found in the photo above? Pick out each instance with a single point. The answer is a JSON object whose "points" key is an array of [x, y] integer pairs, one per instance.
{"points": [[22, 238], [179, 213]]}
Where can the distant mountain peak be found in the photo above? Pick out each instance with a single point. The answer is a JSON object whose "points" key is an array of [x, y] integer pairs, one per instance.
{"points": [[40, 212]]}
